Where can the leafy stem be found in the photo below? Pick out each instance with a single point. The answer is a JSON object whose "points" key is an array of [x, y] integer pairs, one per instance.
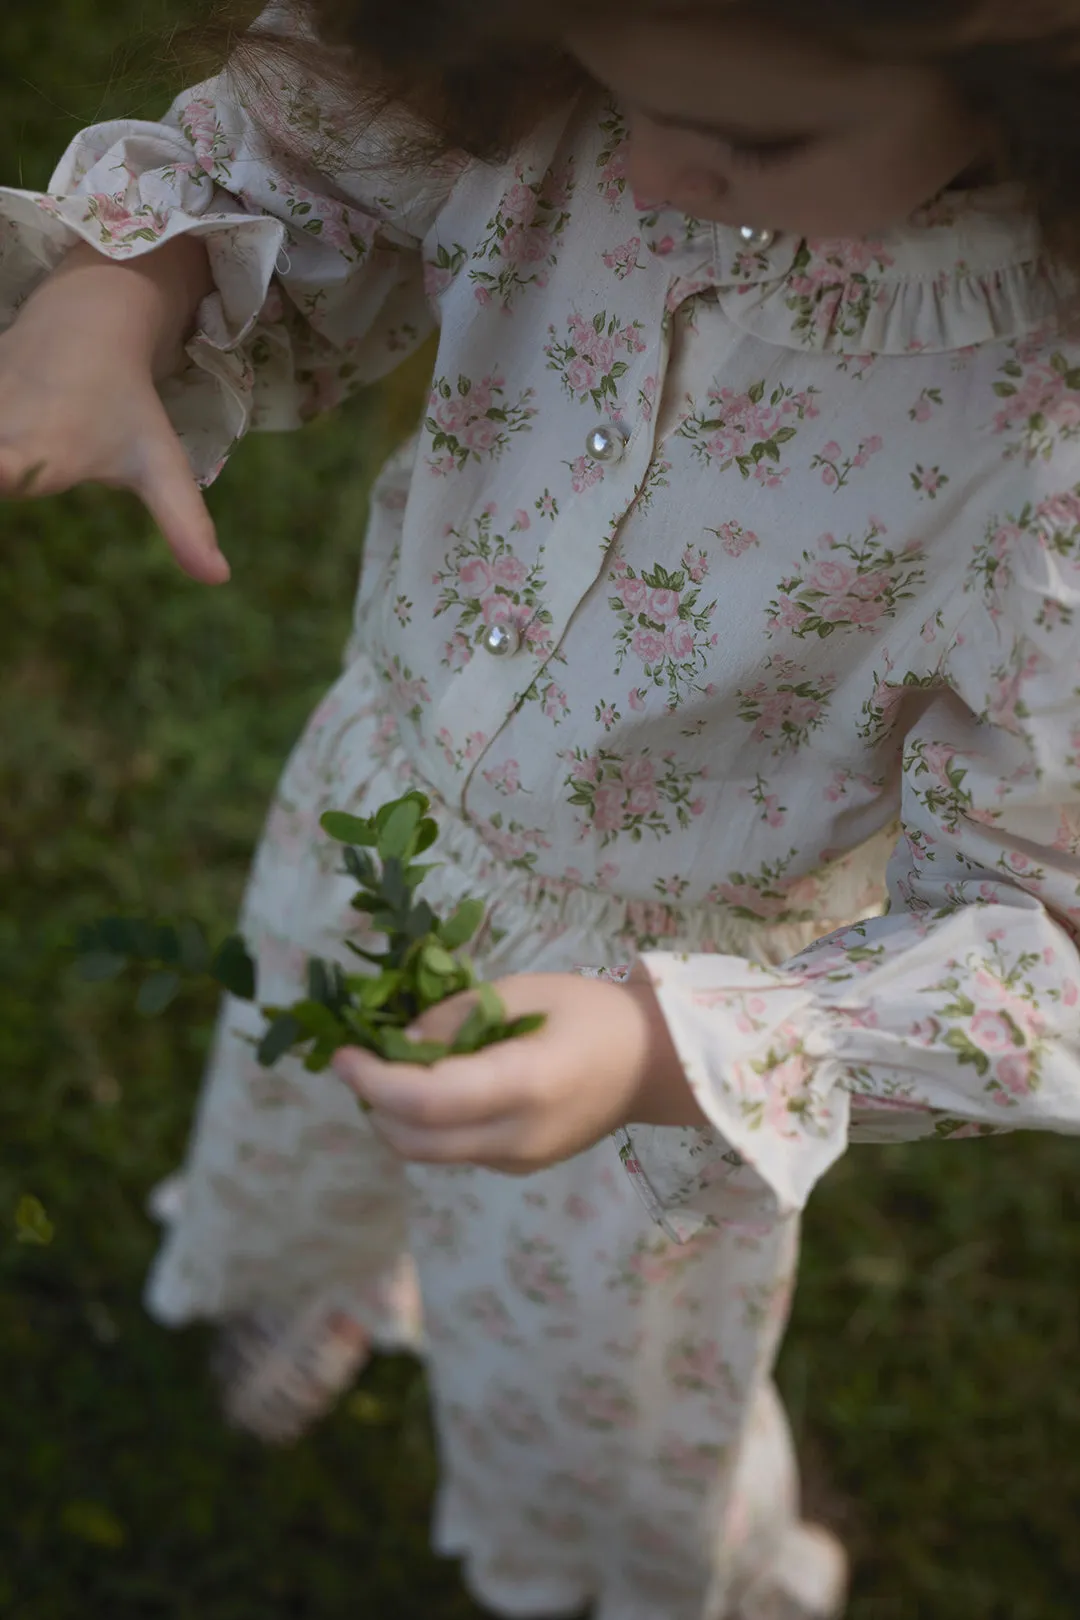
{"points": [[420, 965]]}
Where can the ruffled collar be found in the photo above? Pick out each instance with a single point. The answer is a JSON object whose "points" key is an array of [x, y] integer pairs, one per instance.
{"points": [[967, 269]]}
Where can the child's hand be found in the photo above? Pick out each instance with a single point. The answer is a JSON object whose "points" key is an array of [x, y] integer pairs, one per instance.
{"points": [[78, 402], [603, 1059]]}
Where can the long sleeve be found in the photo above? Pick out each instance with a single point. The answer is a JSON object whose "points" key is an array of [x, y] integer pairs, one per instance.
{"points": [[957, 1012], [315, 257]]}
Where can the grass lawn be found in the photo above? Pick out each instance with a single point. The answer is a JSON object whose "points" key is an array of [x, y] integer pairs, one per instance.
{"points": [[932, 1370]]}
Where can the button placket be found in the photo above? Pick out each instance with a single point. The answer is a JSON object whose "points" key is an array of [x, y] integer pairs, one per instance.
{"points": [[504, 641], [495, 686]]}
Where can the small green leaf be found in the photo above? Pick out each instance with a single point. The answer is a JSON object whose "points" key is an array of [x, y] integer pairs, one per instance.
{"points": [[489, 1014], [93, 1523], [319, 1059], [470, 1037], [168, 948], [395, 891], [397, 1048], [384, 812], [157, 993], [438, 960], [422, 921], [529, 1024], [32, 1226], [144, 939], [319, 982], [284, 1033], [387, 922], [370, 1410], [490, 1002], [426, 835], [468, 972], [116, 934], [431, 988], [417, 872], [361, 1030], [462, 925], [397, 834], [194, 946], [317, 1020], [375, 992], [359, 864], [348, 829], [98, 967], [234, 969]]}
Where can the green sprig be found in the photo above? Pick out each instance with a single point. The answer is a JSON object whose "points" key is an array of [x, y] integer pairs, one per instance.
{"points": [[420, 965]]}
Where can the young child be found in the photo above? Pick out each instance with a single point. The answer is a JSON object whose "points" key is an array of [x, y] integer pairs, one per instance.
{"points": [[738, 547]]}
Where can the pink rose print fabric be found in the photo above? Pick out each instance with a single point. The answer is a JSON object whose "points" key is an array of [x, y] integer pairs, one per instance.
{"points": [[782, 546]]}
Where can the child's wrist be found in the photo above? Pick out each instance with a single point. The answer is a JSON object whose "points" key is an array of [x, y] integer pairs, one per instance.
{"points": [[664, 1095], [145, 308]]}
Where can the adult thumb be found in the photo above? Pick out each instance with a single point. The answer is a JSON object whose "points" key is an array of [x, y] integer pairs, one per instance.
{"points": [[168, 490]]}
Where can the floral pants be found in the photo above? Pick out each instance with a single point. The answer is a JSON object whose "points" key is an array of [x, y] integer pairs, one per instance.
{"points": [[608, 1428]]}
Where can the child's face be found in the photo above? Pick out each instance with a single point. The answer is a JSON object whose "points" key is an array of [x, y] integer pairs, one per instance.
{"points": [[735, 123]]}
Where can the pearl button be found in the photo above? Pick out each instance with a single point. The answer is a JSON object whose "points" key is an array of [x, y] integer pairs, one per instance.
{"points": [[501, 640], [606, 444], [758, 241]]}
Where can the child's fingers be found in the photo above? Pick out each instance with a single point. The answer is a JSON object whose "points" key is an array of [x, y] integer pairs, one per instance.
{"points": [[442, 1022], [462, 1093], [495, 1145], [520, 994], [165, 485], [485, 1146], [20, 476]]}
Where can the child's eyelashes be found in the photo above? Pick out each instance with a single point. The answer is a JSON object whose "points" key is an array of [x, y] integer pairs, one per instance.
{"points": [[739, 148], [763, 154]]}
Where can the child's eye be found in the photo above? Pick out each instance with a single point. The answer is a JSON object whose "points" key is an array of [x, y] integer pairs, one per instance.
{"points": [[762, 154]]}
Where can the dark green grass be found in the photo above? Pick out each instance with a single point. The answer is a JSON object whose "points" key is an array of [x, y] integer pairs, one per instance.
{"points": [[933, 1366]]}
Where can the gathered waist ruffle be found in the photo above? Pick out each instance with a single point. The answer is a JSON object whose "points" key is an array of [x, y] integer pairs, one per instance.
{"points": [[532, 904]]}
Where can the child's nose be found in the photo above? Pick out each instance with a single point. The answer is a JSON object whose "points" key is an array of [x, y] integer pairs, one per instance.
{"points": [[661, 170]]}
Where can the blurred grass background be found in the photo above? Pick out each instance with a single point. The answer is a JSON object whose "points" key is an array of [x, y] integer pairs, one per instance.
{"points": [[932, 1369]]}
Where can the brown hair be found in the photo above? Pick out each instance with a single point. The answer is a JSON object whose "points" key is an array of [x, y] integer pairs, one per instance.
{"points": [[477, 74]]}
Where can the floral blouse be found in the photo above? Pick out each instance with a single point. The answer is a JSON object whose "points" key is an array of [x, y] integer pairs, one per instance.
{"points": [[723, 564]]}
